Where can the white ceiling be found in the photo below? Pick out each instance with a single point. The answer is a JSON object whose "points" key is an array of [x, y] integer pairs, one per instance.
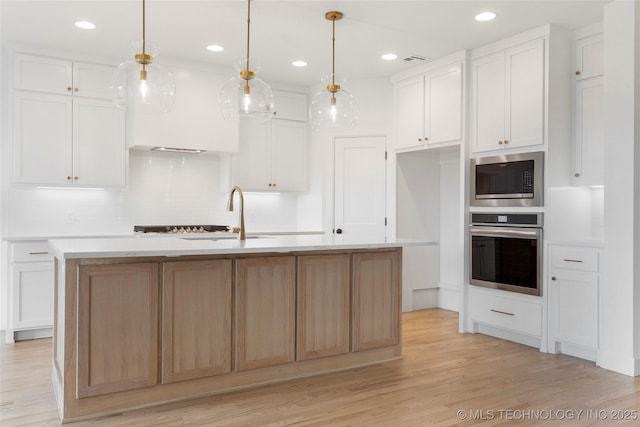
{"points": [[283, 31]]}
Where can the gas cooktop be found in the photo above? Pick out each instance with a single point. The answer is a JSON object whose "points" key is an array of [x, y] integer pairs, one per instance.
{"points": [[176, 229]]}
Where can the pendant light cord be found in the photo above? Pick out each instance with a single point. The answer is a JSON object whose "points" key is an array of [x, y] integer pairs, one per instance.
{"points": [[248, 35], [333, 53]]}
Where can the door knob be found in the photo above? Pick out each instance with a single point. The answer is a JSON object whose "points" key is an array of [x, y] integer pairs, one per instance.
{"points": [[339, 231]]}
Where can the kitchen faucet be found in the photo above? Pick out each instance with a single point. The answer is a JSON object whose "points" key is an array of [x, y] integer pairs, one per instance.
{"points": [[241, 233]]}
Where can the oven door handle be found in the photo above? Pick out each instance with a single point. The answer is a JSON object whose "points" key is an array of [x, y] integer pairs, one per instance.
{"points": [[504, 232]]}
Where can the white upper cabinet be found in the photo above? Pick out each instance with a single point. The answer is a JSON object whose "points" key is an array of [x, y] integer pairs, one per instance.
{"points": [[194, 123], [64, 133], [507, 97], [429, 108], [290, 105], [588, 57], [588, 126]]}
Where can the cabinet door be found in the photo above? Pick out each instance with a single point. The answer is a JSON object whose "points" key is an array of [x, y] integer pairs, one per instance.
{"points": [[42, 138], [323, 306], [196, 319], [588, 137], [42, 74], [288, 155], [290, 105], [265, 311], [588, 57], [409, 98], [376, 300], [525, 95], [443, 105], [488, 102], [92, 80], [117, 328], [99, 147], [574, 307], [32, 295], [253, 163]]}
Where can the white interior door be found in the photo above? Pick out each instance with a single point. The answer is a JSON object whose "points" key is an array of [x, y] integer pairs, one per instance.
{"points": [[360, 186]]}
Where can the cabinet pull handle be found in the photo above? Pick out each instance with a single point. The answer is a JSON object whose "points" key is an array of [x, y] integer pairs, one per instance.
{"points": [[578, 73], [426, 139], [419, 139], [554, 278], [69, 88], [38, 253], [75, 178], [69, 178], [577, 175], [506, 141], [502, 312], [572, 260], [75, 89], [274, 185], [500, 142]]}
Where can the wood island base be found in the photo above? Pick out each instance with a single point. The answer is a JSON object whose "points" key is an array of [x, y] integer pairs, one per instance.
{"points": [[142, 331]]}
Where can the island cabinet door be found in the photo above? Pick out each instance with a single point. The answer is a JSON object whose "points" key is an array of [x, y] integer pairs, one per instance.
{"points": [[323, 305], [196, 319], [117, 328], [376, 299], [265, 311]]}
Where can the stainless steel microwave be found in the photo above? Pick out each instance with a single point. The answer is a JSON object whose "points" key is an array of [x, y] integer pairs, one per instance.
{"points": [[507, 180]]}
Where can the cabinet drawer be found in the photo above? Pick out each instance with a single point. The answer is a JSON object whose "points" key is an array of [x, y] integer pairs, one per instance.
{"points": [[507, 313], [579, 259], [36, 250]]}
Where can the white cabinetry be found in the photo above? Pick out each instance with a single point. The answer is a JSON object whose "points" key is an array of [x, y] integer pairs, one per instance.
{"points": [[273, 155], [429, 108], [507, 97], [30, 290], [573, 300], [195, 121], [64, 132], [507, 313], [588, 128]]}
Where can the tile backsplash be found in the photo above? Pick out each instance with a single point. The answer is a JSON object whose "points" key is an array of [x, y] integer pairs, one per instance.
{"points": [[163, 188]]}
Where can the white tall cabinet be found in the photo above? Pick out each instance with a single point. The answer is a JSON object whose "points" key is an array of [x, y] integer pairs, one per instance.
{"points": [[66, 129], [507, 97]]}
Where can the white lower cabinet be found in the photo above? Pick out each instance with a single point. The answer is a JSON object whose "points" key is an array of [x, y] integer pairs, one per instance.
{"points": [[519, 320], [573, 301], [31, 290]]}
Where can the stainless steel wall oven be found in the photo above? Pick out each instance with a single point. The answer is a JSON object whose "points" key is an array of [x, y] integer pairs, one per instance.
{"points": [[506, 251]]}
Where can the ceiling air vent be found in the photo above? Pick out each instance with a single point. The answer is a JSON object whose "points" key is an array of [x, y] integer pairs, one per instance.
{"points": [[415, 58]]}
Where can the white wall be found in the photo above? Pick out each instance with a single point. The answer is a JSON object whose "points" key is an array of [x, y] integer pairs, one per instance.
{"points": [[620, 285]]}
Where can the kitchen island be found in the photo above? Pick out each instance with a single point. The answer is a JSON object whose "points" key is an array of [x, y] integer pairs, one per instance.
{"points": [[139, 322]]}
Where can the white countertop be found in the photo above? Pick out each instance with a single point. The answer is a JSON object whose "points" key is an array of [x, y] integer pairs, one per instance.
{"points": [[174, 246]]}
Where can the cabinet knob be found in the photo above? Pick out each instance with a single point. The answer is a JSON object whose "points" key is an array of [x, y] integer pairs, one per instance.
{"points": [[339, 231], [500, 142], [75, 89], [270, 185], [578, 73], [419, 139], [75, 178], [69, 178], [577, 175], [506, 142], [426, 139], [69, 88], [553, 278], [274, 185]]}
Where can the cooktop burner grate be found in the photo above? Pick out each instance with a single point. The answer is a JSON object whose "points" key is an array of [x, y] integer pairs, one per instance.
{"points": [[179, 228]]}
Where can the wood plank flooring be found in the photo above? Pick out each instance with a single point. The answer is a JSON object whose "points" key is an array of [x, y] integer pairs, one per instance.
{"points": [[444, 379]]}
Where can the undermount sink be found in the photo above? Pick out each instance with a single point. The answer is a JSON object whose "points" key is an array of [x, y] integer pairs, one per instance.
{"points": [[219, 237]]}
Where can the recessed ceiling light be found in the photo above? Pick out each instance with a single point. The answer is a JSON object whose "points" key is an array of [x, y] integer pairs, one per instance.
{"points": [[485, 16], [85, 25], [215, 48], [389, 56], [299, 63]]}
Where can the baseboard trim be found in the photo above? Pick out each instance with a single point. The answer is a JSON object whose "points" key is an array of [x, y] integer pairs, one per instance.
{"points": [[614, 362], [425, 298], [449, 298]]}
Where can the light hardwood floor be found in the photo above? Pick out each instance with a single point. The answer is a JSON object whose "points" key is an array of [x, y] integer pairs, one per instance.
{"points": [[442, 372]]}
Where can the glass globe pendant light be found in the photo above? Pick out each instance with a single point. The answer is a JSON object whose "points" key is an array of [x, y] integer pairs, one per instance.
{"points": [[246, 96], [142, 83], [333, 107]]}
